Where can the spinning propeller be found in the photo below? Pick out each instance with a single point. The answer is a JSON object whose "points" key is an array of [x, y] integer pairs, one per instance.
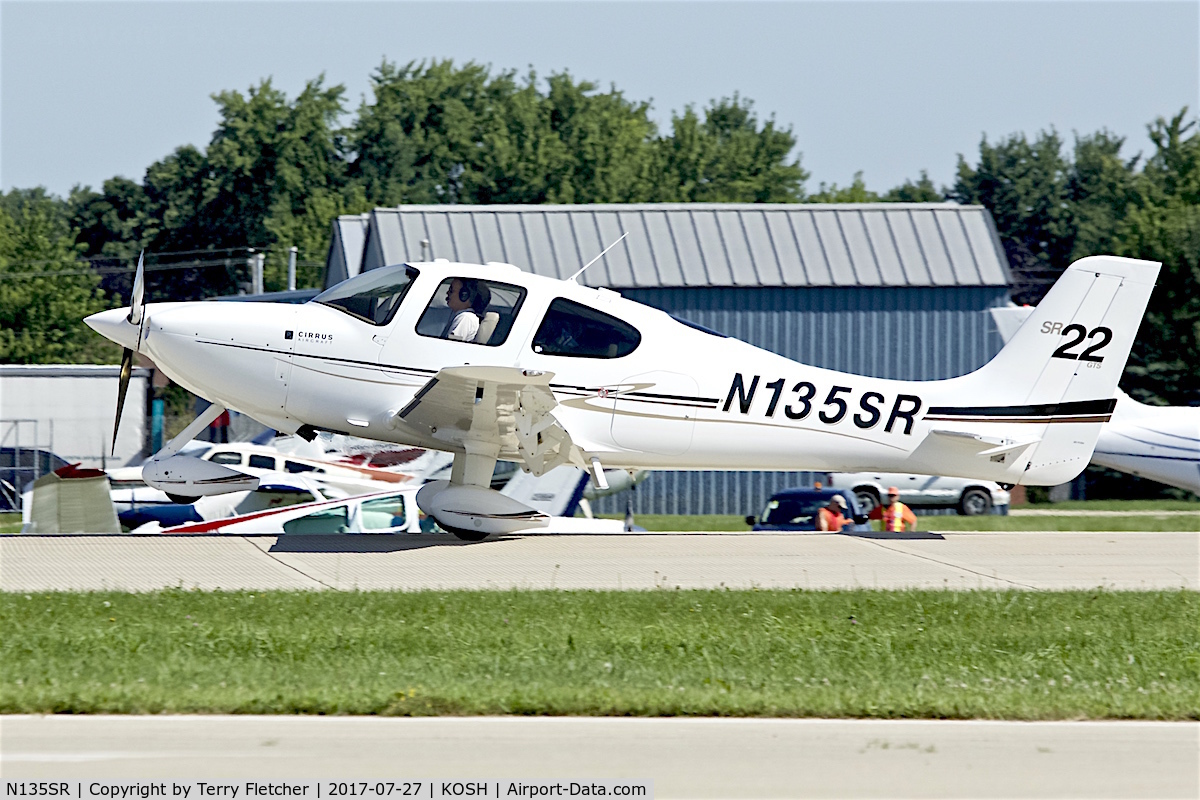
{"points": [[137, 316]]}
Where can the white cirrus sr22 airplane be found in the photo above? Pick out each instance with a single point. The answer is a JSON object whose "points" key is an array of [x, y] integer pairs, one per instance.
{"points": [[490, 362]]}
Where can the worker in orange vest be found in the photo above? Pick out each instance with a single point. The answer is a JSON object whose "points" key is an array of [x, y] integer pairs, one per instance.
{"points": [[832, 517], [894, 515]]}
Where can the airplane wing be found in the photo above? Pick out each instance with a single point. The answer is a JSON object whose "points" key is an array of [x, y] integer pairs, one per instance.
{"points": [[502, 406]]}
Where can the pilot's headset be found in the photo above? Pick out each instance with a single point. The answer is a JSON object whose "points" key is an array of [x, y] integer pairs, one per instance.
{"points": [[466, 290], [475, 293]]}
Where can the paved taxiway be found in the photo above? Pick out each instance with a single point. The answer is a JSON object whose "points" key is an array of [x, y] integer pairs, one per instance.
{"points": [[1064, 560], [684, 757]]}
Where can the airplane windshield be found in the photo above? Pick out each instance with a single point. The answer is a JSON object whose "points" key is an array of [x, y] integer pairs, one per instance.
{"points": [[373, 296], [791, 512]]}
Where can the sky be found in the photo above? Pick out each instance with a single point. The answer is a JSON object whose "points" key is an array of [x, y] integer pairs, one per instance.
{"points": [[91, 90]]}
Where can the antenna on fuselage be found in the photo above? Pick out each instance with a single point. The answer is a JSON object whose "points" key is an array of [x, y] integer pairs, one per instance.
{"points": [[597, 258]]}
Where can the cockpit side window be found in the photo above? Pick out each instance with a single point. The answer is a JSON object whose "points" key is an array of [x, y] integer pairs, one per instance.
{"points": [[373, 296], [573, 329], [472, 310]]}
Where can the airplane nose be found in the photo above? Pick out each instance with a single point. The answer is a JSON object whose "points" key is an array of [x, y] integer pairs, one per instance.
{"points": [[115, 326]]}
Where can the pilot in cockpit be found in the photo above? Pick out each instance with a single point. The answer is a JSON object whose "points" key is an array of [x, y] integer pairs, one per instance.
{"points": [[468, 300]]}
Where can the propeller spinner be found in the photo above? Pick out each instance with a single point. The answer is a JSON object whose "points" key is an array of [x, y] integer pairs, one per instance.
{"points": [[137, 316]]}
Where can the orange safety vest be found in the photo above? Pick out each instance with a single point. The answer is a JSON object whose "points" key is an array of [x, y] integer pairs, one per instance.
{"points": [[833, 522], [895, 515]]}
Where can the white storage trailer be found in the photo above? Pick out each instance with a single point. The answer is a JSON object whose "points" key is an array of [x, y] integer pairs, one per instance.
{"points": [[68, 409]]}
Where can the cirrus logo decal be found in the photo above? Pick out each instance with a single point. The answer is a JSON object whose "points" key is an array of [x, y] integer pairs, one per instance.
{"points": [[313, 336]]}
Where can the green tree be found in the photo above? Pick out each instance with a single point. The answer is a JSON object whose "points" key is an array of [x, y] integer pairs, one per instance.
{"points": [[421, 133], [520, 157], [1101, 187], [1163, 224], [1025, 185], [1051, 209], [856, 192], [607, 139], [727, 158], [45, 289], [923, 191], [274, 174], [437, 133], [116, 222], [277, 171]]}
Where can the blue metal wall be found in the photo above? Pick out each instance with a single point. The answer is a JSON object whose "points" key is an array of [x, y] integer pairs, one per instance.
{"points": [[906, 334]]}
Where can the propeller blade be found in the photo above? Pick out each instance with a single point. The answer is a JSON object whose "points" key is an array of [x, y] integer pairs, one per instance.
{"points": [[136, 307], [122, 388]]}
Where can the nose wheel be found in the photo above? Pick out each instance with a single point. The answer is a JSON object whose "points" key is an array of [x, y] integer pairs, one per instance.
{"points": [[465, 534]]}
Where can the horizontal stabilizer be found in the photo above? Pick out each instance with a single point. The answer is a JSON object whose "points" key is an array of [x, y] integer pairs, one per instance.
{"points": [[981, 443], [1009, 448]]}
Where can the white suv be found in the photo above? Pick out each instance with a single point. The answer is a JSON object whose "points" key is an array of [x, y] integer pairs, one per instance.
{"points": [[970, 497]]}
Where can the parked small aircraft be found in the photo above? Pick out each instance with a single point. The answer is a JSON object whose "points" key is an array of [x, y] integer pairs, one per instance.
{"points": [[489, 362], [380, 513]]}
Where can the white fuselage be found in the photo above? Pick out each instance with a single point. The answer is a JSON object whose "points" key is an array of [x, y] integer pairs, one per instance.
{"points": [[683, 399], [1161, 443]]}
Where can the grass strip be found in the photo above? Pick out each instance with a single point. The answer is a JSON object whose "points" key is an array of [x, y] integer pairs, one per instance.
{"points": [[990, 522], [885, 654], [1119, 505], [1166, 523]]}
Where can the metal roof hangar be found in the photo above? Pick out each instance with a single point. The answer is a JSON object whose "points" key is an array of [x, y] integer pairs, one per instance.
{"points": [[893, 290]]}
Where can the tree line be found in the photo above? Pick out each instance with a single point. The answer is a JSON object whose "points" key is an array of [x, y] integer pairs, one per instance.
{"points": [[277, 170]]}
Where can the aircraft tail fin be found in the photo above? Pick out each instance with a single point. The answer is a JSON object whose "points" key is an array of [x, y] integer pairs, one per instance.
{"points": [[1074, 345], [1062, 366], [556, 493]]}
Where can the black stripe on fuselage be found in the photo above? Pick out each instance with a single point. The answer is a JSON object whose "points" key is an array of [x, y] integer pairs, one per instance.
{"points": [[1144, 455], [595, 395], [582, 391], [709, 400], [319, 357], [645, 397], [1075, 408]]}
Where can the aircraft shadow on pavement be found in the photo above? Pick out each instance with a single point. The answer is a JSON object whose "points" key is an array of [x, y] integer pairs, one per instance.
{"points": [[894, 534], [341, 543], [344, 543]]}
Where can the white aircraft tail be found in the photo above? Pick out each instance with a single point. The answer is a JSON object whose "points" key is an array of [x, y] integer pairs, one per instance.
{"points": [[1074, 345], [556, 493], [1061, 365]]}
